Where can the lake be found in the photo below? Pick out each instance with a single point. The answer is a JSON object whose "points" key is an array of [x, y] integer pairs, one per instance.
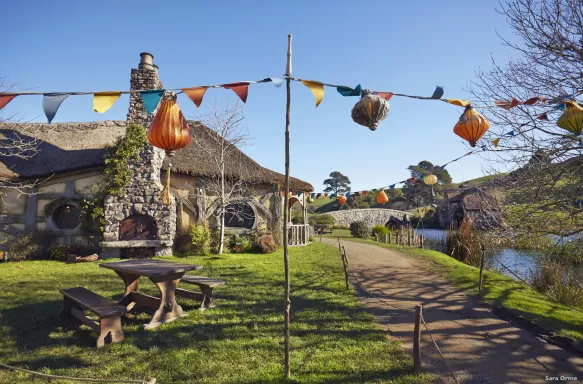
{"points": [[520, 262]]}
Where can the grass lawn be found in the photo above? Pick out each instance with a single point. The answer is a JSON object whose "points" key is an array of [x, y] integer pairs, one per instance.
{"points": [[499, 290], [333, 339]]}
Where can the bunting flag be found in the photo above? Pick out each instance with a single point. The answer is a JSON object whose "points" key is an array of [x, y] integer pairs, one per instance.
{"points": [[533, 100], [437, 93], [391, 187], [300, 194], [151, 99], [442, 167], [495, 142], [356, 194], [385, 95], [325, 195], [374, 190], [560, 106], [511, 134], [277, 81], [275, 187], [241, 89], [51, 104], [317, 90], [5, 99], [413, 179], [318, 195], [195, 94], [332, 195], [458, 102], [312, 195], [508, 105], [544, 116], [347, 195], [364, 193], [102, 101], [346, 91]]}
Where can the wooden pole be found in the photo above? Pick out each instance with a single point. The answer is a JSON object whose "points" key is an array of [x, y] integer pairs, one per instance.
{"points": [[483, 254], [409, 236], [345, 264], [287, 302], [421, 241], [417, 339]]}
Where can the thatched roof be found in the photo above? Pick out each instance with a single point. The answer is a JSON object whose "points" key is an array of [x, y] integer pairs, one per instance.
{"points": [[65, 147], [473, 198]]}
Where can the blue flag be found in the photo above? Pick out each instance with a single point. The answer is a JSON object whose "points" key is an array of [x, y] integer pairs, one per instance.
{"points": [[511, 133], [442, 167], [52, 102], [392, 186], [299, 194], [151, 99], [437, 93], [312, 195], [346, 91], [332, 195]]}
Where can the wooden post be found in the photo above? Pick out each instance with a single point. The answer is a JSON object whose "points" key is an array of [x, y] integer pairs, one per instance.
{"points": [[287, 302], [389, 237], [376, 237], [345, 264], [481, 268], [409, 236], [417, 339], [339, 249], [421, 241]]}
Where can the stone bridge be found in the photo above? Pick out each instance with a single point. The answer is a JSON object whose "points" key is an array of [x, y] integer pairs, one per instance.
{"points": [[371, 216]]}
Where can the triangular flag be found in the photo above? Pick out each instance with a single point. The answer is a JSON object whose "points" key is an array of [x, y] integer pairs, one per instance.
{"points": [[300, 194], [102, 101], [346, 91], [495, 142], [421, 177], [561, 106], [511, 133], [385, 95], [241, 89], [5, 99], [274, 187], [544, 116], [442, 167], [325, 195], [392, 186], [278, 187], [332, 195], [195, 94], [356, 194], [374, 190], [364, 193], [318, 195], [533, 100], [277, 81], [151, 99], [437, 93], [508, 105], [317, 90], [312, 195], [458, 102], [347, 195], [51, 104], [413, 179]]}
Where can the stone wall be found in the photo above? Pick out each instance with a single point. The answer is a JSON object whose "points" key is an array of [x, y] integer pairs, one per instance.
{"points": [[371, 216], [143, 195]]}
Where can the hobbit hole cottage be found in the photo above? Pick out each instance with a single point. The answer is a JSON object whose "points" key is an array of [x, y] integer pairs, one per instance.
{"points": [[68, 170]]}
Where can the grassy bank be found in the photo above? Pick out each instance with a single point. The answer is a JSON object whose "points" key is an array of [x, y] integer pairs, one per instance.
{"points": [[333, 339], [499, 290]]}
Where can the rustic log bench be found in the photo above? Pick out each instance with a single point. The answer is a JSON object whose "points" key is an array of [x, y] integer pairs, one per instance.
{"points": [[76, 300], [206, 285]]}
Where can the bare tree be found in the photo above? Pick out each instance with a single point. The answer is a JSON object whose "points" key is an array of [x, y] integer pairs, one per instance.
{"points": [[544, 189], [230, 184]]}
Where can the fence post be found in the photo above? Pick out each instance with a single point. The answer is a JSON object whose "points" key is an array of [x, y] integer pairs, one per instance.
{"points": [[345, 264], [408, 236], [481, 268], [421, 241], [417, 338], [376, 237], [389, 237], [339, 250]]}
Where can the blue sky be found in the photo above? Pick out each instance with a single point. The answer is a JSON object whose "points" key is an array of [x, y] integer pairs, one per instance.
{"points": [[407, 47]]}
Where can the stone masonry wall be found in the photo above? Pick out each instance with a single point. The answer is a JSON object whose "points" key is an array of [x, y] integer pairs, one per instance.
{"points": [[143, 195], [371, 216]]}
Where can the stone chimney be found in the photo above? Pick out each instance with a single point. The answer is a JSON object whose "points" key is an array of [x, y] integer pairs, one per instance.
{"points": [[138, 223]]}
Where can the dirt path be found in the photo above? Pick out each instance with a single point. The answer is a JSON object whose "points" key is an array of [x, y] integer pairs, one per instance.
{"points": [[479, 347]]}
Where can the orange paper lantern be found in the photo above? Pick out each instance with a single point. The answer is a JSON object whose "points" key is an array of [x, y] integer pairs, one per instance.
{"points": [[342, 200], [471, 126], [170, 132], [382, 198]]}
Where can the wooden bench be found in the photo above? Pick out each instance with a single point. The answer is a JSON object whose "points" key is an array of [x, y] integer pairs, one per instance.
{"points": [[76, 300], [322, 229], [206, 285]]}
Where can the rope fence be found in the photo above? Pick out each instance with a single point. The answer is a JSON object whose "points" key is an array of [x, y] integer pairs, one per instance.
{"points": [[381, 300]]}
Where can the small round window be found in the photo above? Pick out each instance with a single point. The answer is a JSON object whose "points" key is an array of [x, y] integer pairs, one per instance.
{"points": [[67, 216]]}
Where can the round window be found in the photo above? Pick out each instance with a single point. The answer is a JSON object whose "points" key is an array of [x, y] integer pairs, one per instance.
{"points": [[67, 216]]}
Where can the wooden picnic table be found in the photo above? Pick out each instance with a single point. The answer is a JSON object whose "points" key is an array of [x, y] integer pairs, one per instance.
{"points": [[165, 274]]}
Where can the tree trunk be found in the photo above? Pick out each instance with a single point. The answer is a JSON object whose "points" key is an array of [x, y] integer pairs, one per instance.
{"points": [[222, 233]]}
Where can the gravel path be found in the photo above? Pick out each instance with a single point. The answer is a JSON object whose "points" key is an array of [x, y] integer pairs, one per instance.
{"points": [[478, 346]]}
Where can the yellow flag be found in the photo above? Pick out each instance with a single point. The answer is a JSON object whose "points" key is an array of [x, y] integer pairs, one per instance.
{"points": [[102, 101], [317, 90], [458, 102], [495, 142]]}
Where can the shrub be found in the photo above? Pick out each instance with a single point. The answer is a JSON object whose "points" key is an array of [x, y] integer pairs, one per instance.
{"points": [[239, 244], [267, 244], [359, 229], [183, 244], [59, 252], [321, 219], [380, 230], [30, 246], [200, 237]]}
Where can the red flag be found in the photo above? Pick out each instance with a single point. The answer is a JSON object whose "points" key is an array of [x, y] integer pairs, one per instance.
{"points": [[413, 179], [543, 117], [241, 89], [533, 100], [364, 193], [195, 94], [5, 99], [386, 95], [325, 195], [508, 105]]}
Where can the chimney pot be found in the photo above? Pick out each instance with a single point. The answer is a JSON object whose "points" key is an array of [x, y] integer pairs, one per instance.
{"points": [[147, 61], [156, 68]]}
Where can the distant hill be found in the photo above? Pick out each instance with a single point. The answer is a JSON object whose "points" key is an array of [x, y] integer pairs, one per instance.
{"points": [[484, 181]]}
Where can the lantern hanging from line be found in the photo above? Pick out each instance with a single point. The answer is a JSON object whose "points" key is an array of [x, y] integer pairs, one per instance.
{"points": [[342, 200], [572, 118], [370, 110], [471, 126], [169, 131], [430, 179], [382, 198]]}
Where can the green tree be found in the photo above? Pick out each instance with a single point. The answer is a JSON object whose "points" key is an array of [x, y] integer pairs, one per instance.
{"points": [[417, 192], [337, 183]]}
